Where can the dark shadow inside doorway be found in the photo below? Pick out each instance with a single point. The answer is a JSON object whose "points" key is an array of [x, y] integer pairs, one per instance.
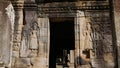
{"points": [[61, 38]]}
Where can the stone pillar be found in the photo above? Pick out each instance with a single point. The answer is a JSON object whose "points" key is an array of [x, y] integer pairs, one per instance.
{"points": [[71, 58], [79, 35], [18, 6], [44, 42], [18, 29], [116, 5], [77, 41]]}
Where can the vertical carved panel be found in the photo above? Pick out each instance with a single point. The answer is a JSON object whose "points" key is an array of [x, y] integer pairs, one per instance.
{"points": [[80, 26], [29, 41], [101, 37], [44, 41]]}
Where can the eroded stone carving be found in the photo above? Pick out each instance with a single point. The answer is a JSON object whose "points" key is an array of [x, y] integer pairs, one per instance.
{"points": [[11, 14], [24, 44], [33, 36], [33, 44], [16, 46]]}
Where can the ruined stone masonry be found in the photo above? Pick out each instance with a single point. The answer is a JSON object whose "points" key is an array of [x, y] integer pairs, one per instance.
{"points": [[59, 34]]}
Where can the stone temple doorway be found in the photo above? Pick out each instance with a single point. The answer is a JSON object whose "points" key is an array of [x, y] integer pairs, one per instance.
{"points": [[61, 41]]}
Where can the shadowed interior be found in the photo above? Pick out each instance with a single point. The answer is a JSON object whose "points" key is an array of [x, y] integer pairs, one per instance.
{"points": [[61, 38]]}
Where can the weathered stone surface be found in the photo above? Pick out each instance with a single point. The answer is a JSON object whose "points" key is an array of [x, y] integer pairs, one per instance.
{"points": [[44, 41], [43, 22], [39, 62], [33, 53], [93, 34], [109, 60], [33, 40], [16, 54], [16, 46], [43, 32], [117, 28], [6, 32], [22, 63], [24, 48]]}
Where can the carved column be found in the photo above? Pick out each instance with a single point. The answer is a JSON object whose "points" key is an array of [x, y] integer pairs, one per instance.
{"points": [[18, 6], [79, 36], [77, 41]]}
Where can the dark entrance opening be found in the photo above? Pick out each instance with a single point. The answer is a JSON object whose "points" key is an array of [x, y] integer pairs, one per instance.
{"points": [[61, 40]]}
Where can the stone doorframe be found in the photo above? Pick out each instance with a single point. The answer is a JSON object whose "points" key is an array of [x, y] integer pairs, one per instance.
{"points": [[79, 22]]}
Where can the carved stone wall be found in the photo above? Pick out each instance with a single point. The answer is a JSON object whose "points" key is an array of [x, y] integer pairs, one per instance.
{"points": [[101, 37], [31, 42]]}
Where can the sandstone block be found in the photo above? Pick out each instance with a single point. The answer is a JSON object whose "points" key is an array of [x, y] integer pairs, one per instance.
{"points": [[15, 54]]}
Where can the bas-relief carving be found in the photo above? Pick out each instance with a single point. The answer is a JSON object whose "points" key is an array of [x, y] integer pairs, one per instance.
{"points": [[37, 47], [87, 41], [101, 40], [82, 25], [24, 44], [34, 43], [42, 45], [42, 41], [33, 53], [29, 42], [89, 33], [33, 40], [16, 46]]}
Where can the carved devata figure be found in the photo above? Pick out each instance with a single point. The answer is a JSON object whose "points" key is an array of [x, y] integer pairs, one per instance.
{"points": [[24, 43], [34, 38], [29, 43]]}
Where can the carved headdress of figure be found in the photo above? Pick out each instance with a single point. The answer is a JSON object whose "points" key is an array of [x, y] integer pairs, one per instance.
{"points": [[34, 25]]}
